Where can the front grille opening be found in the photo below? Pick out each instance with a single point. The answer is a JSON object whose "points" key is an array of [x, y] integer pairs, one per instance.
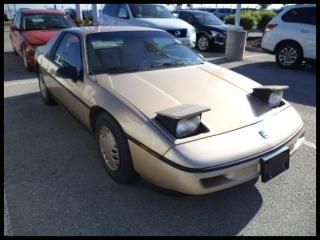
{"points": [[214, 181], [182, 33]]}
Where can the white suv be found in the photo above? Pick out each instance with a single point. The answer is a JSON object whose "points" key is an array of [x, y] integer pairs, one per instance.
{"points": [[291, 35], [148, 15]]}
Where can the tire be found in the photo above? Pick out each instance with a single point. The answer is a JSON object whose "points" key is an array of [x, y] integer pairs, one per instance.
{"points": [[203, 43], [288, 55], [44, 92], [27, 66], [116, 150]]}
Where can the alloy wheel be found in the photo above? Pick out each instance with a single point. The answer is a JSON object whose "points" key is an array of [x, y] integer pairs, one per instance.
{"points": [[203, 43], [288, 56], [109, 148]]}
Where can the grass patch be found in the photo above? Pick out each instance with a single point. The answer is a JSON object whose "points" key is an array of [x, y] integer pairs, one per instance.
{"points": [[7, 23]]}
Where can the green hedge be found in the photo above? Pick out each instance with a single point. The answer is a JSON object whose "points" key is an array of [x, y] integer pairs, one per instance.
{"points": [[247, 21], [252, 19], [265, 17]]}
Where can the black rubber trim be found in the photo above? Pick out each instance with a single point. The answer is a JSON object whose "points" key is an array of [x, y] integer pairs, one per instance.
{"points": [[75, 96], [214, 168]]}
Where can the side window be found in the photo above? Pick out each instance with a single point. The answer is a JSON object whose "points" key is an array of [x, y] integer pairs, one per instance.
{"points": [[68, 52], [123, 12], [190, 19], [114, 10], [106, 9], [17, 20], [300, 15]]}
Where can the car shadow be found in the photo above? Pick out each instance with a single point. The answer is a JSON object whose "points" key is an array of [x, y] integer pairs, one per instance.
{"points": [[14, 68], [301, 80], [56, 185]]}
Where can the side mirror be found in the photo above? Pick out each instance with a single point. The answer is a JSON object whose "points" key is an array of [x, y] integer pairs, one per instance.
{"points": [[68, 72], [13, 27]]}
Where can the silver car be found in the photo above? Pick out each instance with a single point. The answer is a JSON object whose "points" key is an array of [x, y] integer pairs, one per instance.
{"points": [[148, 15], [160, 111]]}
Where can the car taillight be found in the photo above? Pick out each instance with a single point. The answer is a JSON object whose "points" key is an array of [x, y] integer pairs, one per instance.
{"points": [[269, 27]]}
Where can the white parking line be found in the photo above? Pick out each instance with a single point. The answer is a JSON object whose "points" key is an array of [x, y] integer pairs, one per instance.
{"points": [[20, 82], [247, 56], [256, 55], [310, 144]]}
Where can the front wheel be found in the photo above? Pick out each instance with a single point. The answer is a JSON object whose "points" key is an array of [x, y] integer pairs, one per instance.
{"points": [[203, 43], [288, 55], [45, 94], [114, 150]]}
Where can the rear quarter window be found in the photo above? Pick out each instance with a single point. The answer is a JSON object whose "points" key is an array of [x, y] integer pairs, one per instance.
{"points": [[305, 15]]}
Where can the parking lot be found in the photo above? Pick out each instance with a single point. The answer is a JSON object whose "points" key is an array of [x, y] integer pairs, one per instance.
{"points": [[56, 186]]}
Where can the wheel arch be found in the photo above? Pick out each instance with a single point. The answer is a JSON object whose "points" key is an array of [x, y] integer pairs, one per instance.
{"points": [[94, 113], [289, 41]]}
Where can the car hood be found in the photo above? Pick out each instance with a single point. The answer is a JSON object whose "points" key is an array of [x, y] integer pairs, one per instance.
{"points": [[164, 23], [39, 37], [225, 92]]}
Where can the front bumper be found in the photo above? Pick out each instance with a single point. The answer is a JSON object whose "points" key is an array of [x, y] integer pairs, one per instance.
{"points": [[189, 42], [218, 41], [238, 167], [166, 176]]}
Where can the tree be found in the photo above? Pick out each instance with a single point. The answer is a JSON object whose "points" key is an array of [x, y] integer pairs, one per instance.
{"points": [[264, 6]]}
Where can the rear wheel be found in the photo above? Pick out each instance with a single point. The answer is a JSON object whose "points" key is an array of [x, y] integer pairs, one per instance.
{"points": [[288, 55], [114, 150]]}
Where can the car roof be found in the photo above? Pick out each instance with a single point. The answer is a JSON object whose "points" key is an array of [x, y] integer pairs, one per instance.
{"points": [[41, 11], [100, 29], [298, 6]]}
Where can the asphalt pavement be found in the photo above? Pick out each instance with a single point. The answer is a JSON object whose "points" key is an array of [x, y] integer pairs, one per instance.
{"points": [[56, 185]]}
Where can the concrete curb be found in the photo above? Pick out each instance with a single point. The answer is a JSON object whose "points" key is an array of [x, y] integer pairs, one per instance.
{"points": [[255, 49]]}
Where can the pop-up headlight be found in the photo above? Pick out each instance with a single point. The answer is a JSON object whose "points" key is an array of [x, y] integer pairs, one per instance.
{"points": [[270, 94], [183, 120]]}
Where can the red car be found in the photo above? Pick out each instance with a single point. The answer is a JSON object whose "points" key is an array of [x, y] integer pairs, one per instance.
{"points": [[33, 28]]}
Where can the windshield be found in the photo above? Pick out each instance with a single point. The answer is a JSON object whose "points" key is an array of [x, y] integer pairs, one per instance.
{"points": [[116, 52], [207, 19], [46, 21], [150, 11]]}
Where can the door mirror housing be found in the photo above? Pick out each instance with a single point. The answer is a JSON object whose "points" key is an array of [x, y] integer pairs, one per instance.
{"points": [[68, 72]]}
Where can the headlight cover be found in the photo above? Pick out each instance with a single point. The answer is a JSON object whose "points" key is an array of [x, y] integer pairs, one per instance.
{"points": [[183, 120], [186, 127], [270, 94], [275, 98]]}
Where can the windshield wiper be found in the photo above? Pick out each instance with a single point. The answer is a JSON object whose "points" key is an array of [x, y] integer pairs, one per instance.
{"points": [[167, 64], [121, 70]]}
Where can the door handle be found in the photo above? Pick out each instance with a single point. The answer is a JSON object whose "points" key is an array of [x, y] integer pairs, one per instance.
{"points": [[304, 31]]}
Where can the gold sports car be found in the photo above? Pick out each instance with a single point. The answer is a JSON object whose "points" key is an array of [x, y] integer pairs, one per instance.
{"points": [[160, 111]]}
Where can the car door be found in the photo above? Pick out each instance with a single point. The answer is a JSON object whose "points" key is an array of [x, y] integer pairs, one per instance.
{"points": [[68, 52], [302, 22]]}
